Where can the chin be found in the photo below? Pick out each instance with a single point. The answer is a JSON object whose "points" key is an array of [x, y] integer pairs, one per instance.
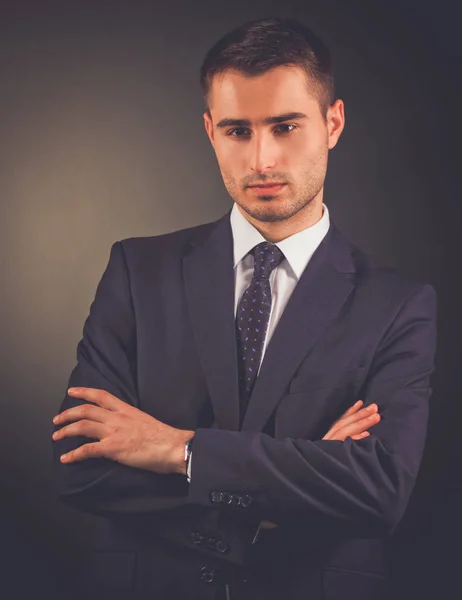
{"points": [[266, 213]]}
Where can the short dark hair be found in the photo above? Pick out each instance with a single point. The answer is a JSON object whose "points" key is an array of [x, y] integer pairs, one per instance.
{"points": [[262, 44]]}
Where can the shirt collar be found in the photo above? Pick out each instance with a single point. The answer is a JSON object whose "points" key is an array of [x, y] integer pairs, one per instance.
{"points": [[297, 248]]}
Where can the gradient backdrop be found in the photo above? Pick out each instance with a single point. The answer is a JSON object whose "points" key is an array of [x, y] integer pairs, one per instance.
{"points": [[102, 138]]}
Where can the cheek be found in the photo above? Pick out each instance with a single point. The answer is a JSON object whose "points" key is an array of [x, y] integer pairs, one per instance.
{"points": [[312, 150], [231, 162]]}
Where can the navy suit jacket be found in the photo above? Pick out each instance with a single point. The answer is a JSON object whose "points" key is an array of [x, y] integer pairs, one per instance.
{"points": [[161, 336]]}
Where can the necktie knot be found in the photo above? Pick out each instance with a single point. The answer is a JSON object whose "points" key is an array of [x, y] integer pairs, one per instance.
{"points": [[267, 257]]}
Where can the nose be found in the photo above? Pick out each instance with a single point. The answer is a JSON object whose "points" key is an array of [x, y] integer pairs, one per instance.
{"points": [[264, 153]]}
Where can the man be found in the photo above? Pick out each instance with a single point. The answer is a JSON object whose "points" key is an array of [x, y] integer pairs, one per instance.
{"points": [[219, 367]]}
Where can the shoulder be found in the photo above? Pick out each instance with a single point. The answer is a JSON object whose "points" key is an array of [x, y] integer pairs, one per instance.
{"points": [[387, 287], [179, 239], [164, 248]]}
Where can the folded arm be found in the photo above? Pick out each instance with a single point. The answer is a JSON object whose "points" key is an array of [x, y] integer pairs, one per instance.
{"points": [[364, 484], [106, 359]]}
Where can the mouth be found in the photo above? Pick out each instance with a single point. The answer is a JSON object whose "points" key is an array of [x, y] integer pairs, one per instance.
{"points": [[263, 188]]}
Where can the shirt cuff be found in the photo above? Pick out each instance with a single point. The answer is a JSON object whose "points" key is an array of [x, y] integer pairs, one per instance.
{"points": [[188, 474]]}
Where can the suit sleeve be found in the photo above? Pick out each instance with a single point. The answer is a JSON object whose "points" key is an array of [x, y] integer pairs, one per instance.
{"points": [[106, 359], [362, 485]]}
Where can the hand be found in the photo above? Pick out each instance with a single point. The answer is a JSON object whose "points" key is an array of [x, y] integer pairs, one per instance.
{"points": [[125, 433], [354, 423]]}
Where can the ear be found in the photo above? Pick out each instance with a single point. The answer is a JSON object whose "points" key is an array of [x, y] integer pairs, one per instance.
{"points": [[335, 122], [209, 127]]}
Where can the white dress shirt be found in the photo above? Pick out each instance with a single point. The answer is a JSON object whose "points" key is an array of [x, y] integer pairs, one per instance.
{"points": [[297, 249]]}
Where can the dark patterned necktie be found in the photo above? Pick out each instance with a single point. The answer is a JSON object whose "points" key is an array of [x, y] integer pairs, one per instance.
{"points": [[252, 319]]}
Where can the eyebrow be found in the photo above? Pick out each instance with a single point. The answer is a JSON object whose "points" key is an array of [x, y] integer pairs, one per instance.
{"points": [[267, 121]]}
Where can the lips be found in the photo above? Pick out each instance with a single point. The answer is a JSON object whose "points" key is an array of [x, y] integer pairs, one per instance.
{"points": [[266, 185], [270, 189]]}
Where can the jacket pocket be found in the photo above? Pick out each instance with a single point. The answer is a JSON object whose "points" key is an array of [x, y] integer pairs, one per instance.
{"points": [[338, 584]]}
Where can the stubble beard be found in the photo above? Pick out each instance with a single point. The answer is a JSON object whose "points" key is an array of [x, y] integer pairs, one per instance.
{"points": [[269, 212]]}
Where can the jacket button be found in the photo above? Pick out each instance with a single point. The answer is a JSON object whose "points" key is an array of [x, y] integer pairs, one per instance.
{"points": [[211, 543], [235, 500], [207, 574], [216, 497], [226, 498], [221, 546], [196, 537], [245, 501]]}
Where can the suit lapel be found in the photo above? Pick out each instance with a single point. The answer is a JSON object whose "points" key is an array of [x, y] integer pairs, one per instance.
{"points": [[209, 284], [316, 300]]}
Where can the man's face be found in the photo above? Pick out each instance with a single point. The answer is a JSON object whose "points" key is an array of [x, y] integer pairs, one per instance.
{"points": [[291, 150]]}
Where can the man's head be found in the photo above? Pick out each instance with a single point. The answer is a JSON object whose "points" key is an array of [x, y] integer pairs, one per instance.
{"points": [[271, 117]]}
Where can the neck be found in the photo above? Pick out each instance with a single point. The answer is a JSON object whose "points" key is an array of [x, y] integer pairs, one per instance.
{"points": [[276, 231]]}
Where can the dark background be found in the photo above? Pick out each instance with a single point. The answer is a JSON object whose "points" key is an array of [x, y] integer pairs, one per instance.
{"points": [[102, 138]]}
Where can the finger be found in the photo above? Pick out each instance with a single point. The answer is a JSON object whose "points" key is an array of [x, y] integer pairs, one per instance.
{"points": [[100, 397], [356, 428], [83, 411], [94, 450], [360, 436], [360, 414], [86, 428], [337, 432], [354, 408]]}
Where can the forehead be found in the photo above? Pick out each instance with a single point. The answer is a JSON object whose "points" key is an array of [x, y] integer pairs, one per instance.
{"points": [[280, 90]]}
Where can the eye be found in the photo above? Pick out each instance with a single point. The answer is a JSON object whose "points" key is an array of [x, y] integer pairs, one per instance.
{"points": [[282, 128], [285, 125], [232, 132]]}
